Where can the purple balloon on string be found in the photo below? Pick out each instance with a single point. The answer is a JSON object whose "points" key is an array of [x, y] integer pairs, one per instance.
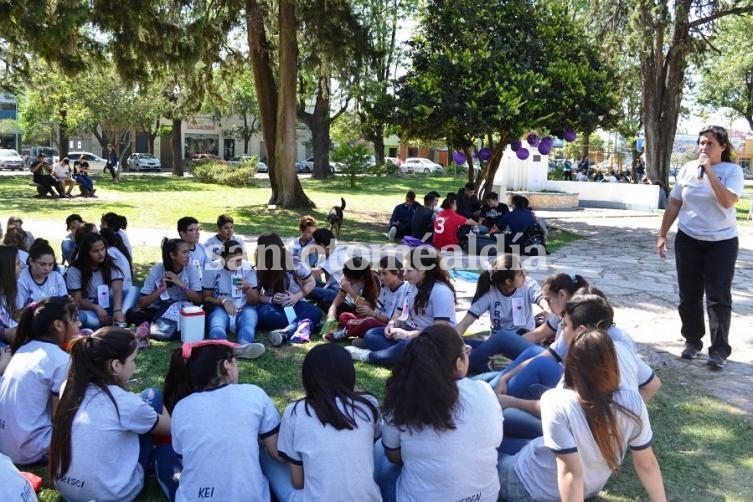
{"points": [[522, 153], [485, 153], [547, 140], [544, 148], [570, 135], [532, 139], [458, 157], [516, 145]]}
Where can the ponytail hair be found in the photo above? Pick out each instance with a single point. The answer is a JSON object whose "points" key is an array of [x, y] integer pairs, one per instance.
{"points": [[37, 318], [569, 282], [202, 369], [115, 221], [422, 390], [170, 246], [504, 268], [91, 364], [591, 310], [114, 240], [41, 247]]}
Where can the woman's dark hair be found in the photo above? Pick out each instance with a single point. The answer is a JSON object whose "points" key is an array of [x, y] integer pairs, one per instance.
{"points": [[426, 258], [519, 202], [91, 358], [84, 263], [569, 282], [202, 370], [329, 379], [41, 247], [504, 269], [115, 221], [272, 260], [230, 247], [78, 235], [591, 310], [422, 392], [357, 269], [114, 240], [71, 218], [8, 280], [721, 136], [36, 320], [15, 237], [593, 373], [170, 246]]}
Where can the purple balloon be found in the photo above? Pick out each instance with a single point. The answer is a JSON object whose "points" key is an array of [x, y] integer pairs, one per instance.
{"points": [[485, 153], [544, 148], [516, 145], [570, 135], [458, 157], [548, 140], [522, 153], [532, 139]]}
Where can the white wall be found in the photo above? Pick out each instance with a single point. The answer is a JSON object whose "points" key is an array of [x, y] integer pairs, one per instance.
{"points": [[516, 174], [612, 195]]}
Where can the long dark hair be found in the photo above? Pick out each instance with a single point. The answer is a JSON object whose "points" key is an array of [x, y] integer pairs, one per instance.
{"points": [[422, 392], [201, 370], [272, 263], [357, 269], [593, 372], [114, 240], [8, 279], [84, 264], [591, 310], [426, 258], [329, 379], [569, 282], [170, 246], [720, 133], [36, 320], [91, 357], [503, 269], [115, 221], [41, 247]]}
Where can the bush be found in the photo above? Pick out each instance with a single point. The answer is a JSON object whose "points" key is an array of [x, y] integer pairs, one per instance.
{"points": [[224, 174]]}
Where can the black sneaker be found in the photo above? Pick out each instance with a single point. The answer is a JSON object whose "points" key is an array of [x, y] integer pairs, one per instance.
{"points": [[716, 361], [690, 352]]}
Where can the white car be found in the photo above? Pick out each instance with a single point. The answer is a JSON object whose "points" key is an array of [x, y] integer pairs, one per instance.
{"points": [[144, 162], [10, 159], [421, 165], [307, 166], [96, 163]]}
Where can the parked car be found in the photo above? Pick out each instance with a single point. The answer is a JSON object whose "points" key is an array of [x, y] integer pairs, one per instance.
{"points": [[10, 159], [96, 163], [261, 167], [144, 162], [34, 151], [307, 166], [205, 156], [393, 160], [421, 165]]}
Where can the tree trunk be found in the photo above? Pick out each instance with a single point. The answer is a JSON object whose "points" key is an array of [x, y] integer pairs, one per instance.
{"points": [[319, 126], [177, 148], [378, 140], [63, 133], [246, 135], [289, 191]]}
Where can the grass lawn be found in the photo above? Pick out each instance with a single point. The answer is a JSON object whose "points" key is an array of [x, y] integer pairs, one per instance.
{"points": [[702, 443]]}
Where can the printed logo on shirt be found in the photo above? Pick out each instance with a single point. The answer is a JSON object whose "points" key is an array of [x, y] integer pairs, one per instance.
{"points": [[78, 483], [2, 424], [26, 494], [206, 492], [473, 498]]}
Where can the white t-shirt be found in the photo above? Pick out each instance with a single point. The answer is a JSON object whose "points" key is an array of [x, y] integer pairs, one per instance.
{"points": [[333, 266], [566, 431], [29, 290], [701, 216], [13, 486], [124, 237], [293, 278], [390, 300], [560, 346], [199, 259], [457, 464], [220, 282], [322, 450], [440, 307], [73, 281], [122, 262], [217, 432], [6, 321], [105, 453], [35, 374], [509, 312], [60, 171], [214, 246], [295, 246], [189, 275]]}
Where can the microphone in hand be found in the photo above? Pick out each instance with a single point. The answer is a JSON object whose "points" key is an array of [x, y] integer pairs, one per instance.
{"points": [[702, 159]]}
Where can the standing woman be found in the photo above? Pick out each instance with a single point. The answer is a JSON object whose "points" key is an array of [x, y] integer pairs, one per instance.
{"points": [[441, 430], [96, 283], [40, 280], [706, 245]]}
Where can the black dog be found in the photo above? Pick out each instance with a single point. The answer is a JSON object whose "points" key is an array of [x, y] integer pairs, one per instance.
{"points": [[335, 217]]}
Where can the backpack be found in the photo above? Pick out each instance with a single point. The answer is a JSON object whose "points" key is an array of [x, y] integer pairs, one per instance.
{"points": [[533, 237]]}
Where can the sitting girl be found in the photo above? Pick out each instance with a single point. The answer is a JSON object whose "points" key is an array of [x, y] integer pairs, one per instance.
{"points": [[40, 280], [582, 445], [215, 415], [122, 257], [30, 385], [508, 295], [441, 430], [430, 298], [96, 283], [332, 429], [10, 271], [117, 224], [173, 280], [110, 427], [361, 281]]}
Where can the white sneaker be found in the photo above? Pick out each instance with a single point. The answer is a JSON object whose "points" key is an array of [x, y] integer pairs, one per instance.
{"points": [[249, 350], [392, 233], [277, 337], [358, 354]]}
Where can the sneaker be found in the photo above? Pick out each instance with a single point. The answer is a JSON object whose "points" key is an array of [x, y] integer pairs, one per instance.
{"points": [[690, 351], [358, 354], [716, 361], [336, 336], [392, 233], [249, 350], [359, 342], [278, 337], [91, 194]]}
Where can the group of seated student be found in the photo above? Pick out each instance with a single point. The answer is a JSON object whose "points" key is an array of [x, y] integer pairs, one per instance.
{"points": [[60, 177]]}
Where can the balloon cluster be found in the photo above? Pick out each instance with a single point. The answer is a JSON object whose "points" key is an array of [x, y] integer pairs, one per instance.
{"points": [[544, 144], [460, 158]]}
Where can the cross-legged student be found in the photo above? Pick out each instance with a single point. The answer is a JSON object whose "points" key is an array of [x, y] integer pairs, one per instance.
{"points": [[360, 279]]}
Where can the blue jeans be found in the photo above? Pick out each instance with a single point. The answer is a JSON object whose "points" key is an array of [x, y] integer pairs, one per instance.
{"points": [[386, 473], [278, 475], [510, 486], [503, 341], [323, 297], [520, 427], [243, 324], [540, 374], [130, 298], [85, 181], [66, 246], [272, 316], [384, 350]]}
